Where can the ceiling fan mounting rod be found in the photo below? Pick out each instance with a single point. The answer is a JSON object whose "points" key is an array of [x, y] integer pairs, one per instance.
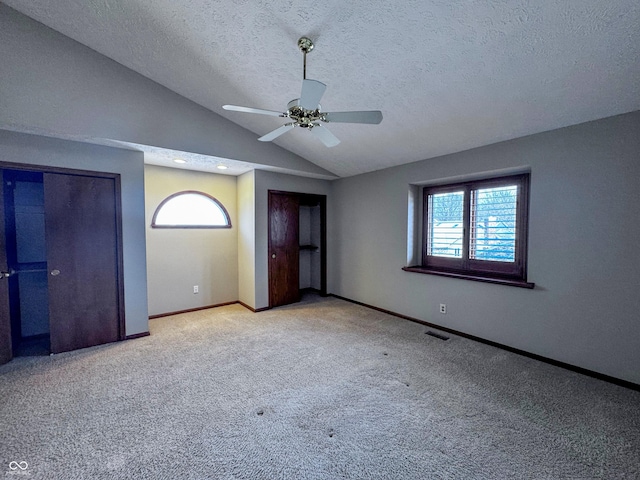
{"points": [[305, 45]]}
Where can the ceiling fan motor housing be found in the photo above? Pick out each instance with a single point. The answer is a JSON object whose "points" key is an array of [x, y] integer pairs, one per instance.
{"points": [[301, 117]]}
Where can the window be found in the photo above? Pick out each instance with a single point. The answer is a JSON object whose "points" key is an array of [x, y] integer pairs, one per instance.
{"points": [[190, 209], [477, 230]]}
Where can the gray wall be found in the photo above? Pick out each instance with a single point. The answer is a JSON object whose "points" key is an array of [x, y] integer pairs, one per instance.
{"points": [[583, 247], [36, 150], [180, 258]]}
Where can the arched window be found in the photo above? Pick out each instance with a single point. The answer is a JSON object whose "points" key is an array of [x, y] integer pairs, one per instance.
{"points": [[190, 209]]}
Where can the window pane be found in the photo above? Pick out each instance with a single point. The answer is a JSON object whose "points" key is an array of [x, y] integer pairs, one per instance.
{"points": [[445, 224], [191, 209], [493, 224]]}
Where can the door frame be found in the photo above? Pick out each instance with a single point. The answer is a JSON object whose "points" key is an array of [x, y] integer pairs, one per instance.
{"points": [[118, 210], [305, 198], [6, 332]]}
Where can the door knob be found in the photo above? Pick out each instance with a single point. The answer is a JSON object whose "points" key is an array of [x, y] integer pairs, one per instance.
{"points": [[7, 274], [55, 272], [273, 255]]}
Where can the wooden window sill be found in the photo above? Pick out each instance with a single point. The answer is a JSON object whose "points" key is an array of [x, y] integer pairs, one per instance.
{"points": [[476, 278]]}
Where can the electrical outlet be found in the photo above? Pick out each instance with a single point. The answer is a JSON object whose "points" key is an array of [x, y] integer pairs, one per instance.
{"points": [[443, 308], [195, 289]]}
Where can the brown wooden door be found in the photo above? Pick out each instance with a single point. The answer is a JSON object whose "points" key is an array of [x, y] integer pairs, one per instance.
{"points": [[284, 251], [6, 353], [82, 244]]}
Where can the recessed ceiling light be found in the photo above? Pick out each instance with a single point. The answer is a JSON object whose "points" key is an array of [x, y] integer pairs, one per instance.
{"points": [[222, 167], [179, 160]]}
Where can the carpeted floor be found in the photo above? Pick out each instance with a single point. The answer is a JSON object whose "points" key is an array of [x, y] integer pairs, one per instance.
{"points": [[323, 389]]}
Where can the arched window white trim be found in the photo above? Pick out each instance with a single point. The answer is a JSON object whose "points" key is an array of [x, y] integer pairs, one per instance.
{"points": [[190, 209]]}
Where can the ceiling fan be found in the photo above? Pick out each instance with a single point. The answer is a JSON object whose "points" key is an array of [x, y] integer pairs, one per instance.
{"points": [[305, 111]]}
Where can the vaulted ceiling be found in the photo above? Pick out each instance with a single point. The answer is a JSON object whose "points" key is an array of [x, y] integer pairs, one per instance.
{"points": [[448, 75]]}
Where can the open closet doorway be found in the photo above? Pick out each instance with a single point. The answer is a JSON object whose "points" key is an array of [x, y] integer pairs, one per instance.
{"points": [[26, 257], [297, 246]]}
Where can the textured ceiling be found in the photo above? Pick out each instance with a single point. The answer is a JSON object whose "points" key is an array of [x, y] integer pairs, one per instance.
{"points": [[448, 75]]}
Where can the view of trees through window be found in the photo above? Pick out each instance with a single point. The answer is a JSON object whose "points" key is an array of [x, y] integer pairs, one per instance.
{"points": [[492, 222], [446, 212]]}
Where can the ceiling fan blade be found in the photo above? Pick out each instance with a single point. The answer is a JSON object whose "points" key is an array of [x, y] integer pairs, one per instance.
{"points": [[236, 108], [312, 91], [373, 117], [325, 136], [277, 132]]}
